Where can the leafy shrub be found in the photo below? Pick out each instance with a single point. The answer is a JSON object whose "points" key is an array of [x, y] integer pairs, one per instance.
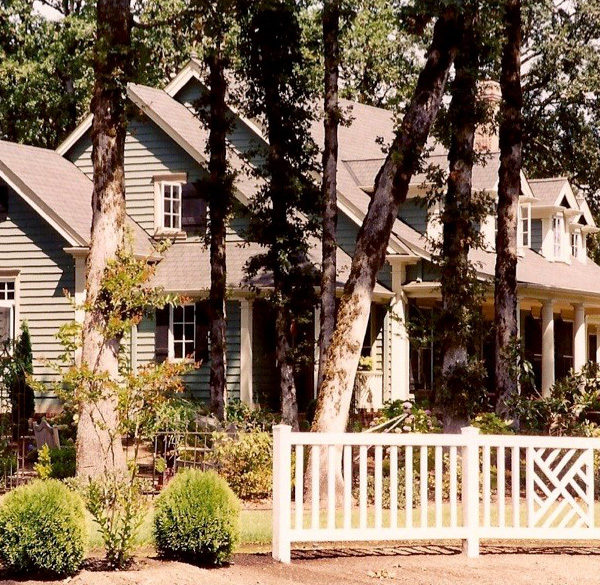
{"points": [[489, 423], [57, 463], [42, 528], [247, 418], [117, 506], [197, 519], [246, 463], [573, 402], [404, 416]]}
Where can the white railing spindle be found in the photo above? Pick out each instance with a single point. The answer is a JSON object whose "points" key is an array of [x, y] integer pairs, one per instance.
{"points": [[408, 484], [394, 486], [347, 487], [378, 486], [299, 488], [363, 485], [331, 473]]}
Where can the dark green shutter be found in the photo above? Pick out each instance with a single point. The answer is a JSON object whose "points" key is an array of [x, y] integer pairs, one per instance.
{"points": [[202, 331], [161, 335]]}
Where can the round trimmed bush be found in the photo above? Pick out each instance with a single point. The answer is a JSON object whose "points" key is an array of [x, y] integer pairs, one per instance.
{"points": [[42, 529], [197, 519]]}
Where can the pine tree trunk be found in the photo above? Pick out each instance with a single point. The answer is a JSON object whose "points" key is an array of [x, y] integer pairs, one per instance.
{"points": [[99, 448], [331, 19], [219, 198], [391, 187], [456, 219], [509, 182]]}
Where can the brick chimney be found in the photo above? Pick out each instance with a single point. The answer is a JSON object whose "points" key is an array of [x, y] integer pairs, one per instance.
{"points": [[486, 135]]}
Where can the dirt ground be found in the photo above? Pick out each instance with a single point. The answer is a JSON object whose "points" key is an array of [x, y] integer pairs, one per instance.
{"points": [[417, 565]]}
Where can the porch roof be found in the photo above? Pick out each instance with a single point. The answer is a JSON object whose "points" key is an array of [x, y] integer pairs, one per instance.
{"points": [[183, 268]]}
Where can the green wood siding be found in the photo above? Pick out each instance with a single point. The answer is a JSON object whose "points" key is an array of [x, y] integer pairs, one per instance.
{"points": [[148, 152], [32, 246], [346, 234], [198, 382], [414, 213]]}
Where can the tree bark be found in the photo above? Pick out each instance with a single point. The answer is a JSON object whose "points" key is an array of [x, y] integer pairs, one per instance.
{"points": [[285, 364], [456, 219], [391, 187], [509, 184], [331, 17], [99, 448], [220, 201]]}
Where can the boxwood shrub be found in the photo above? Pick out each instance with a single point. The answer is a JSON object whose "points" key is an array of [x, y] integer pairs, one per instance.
{"points": [[42, 529], [197, 519]]}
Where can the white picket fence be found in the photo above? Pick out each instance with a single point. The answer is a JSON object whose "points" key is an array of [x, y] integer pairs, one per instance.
{"points": [[385, 486]]}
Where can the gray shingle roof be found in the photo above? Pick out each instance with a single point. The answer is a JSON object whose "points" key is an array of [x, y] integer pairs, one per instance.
{"points": [[60, 190], [547, 190]]}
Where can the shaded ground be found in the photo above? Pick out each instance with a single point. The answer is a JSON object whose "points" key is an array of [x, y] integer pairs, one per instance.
{"points": [[417, 565]]}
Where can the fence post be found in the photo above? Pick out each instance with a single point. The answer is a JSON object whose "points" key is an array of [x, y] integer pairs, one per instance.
{"points": [[282, 492], [470, 491]]}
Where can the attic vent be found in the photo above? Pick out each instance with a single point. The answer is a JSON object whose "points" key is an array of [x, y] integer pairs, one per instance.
{"points": [[3, 202], [565, 203]]}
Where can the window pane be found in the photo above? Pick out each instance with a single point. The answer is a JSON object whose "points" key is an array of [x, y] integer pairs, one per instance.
{"points": [[178, 351], [189, 349], [178, 314], [177, 331], [189, 331], [189, 313]]}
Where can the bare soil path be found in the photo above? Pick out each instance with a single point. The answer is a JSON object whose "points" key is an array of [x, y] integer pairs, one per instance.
{"points": [[417, 565]]}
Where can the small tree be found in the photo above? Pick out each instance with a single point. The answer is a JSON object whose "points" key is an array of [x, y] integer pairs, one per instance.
{"points": [[19, 369], [113, 496]]}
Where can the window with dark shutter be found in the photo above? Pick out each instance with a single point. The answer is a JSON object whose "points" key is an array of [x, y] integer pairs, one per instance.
{"points": [[3, 202], [161, 335], [193, 209], [202, 331]]}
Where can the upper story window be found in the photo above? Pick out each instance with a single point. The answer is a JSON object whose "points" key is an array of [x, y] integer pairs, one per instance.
{"points": [[171, 200], [558, 230], [7, 312], [525, 220], [576, 243]]}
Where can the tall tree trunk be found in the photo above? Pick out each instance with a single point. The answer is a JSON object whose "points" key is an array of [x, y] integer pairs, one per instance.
{"points": [[285, 364], [509, 183], [331, 18], [220, 201], [457, 230], [99, 448], [391, 187]]}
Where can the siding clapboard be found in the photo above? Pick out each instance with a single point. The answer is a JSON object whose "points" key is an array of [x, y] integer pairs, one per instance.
{"points": [[31, 245]]}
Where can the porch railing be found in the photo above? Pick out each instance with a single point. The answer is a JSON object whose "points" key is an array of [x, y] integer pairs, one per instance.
{"points": [[383, 487]]}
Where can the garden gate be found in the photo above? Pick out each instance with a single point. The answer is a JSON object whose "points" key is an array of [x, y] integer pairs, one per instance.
{"points": [[387, 486]]}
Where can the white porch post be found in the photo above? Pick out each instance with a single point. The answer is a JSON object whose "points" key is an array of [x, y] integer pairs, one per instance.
{"points": [[547, 347], [579, 338], [399, 350], [246, 351], [598, 344], [399, 344]]}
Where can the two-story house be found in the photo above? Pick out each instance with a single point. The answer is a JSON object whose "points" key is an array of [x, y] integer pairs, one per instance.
{"points": [[45, 218]]}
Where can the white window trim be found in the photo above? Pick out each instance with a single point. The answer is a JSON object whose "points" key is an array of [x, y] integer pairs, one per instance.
{"points": [[525, 236], [12, 304], [558, 241], [160, 182], [171, 348]]}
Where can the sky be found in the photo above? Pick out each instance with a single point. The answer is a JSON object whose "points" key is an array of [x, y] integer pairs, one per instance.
{"points": [[46, 11]]}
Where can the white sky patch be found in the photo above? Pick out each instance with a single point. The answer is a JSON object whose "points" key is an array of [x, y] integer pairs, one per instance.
{"points": [[46, 11]]}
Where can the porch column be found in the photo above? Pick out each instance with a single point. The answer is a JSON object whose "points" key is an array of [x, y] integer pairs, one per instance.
{"points": [[598, 344], [399, 350], [246, 351], [547, 347], [579, 338]]}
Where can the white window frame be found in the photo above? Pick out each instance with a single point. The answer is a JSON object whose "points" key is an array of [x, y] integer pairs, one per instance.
{"points": [[161, 183], [10, 304], [525, 224], [175, 190], [173, 341], [576, 246], [558, 228]]}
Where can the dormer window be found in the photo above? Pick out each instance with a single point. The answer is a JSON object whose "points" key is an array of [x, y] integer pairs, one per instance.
{"points": [[576, 244], [7, 312], [525, 221], [558, 229], [171, 206]]}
